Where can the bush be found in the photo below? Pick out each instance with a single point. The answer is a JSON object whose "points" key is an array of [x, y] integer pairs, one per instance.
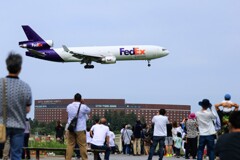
{"points": [[48, 144]]}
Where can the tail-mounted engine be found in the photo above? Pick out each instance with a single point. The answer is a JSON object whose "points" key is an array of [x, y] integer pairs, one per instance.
{"points": [[36, 44]]}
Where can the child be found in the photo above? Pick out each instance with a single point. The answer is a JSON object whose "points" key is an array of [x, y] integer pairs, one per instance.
{"points": [[178, 143], [89, 138]]}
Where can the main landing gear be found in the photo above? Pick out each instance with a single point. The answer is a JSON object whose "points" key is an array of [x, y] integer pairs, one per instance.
{"points": [[149, 65], [88, 66]]}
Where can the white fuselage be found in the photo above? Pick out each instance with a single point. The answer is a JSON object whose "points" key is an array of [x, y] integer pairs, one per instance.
{"points": [[129, 52]]}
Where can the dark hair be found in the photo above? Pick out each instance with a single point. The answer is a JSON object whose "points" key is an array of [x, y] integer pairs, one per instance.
{"points": [[234, 119], [88, 129], [179, 134], [174, 124], [138, 121], [144, 125], [96, 120], [162, 111], [124, 125], [77, 97], [14, 62]]}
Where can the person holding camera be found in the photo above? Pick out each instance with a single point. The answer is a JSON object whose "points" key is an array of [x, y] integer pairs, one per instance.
{"points": [[192, 136], [207, 132], [79, 134], [160, 122]]}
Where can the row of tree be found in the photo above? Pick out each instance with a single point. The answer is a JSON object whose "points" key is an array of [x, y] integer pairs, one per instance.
{"points": [[116, 120]]}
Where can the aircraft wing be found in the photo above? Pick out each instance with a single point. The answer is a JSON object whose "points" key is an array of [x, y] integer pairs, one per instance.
{"points": [[85, 57], [40, 54]]}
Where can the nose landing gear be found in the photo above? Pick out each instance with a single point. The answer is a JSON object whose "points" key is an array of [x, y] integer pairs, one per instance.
{"points": [[149, 65]]}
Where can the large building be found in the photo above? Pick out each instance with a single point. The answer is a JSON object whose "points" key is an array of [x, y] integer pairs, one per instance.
{"points": [[48, 110]]}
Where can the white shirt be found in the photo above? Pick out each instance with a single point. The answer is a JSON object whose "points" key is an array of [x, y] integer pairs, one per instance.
{"points": [[205, 122], [111, 139], [175, 130], [100, 132], [160, 125], [127, 136], [89, 138], [82, 117]]}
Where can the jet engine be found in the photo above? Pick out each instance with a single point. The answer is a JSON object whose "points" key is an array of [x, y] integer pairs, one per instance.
{"points": [[36, 44], [108, 60]]}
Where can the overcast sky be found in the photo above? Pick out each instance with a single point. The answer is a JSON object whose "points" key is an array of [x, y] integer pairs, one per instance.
{"points": [[203, 38]]}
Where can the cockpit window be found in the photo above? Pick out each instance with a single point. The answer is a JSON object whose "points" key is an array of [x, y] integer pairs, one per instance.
{"points": [[164, 49]]}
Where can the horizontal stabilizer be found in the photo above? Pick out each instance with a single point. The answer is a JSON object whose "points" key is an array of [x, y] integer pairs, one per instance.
{"points": [[37, 53]]}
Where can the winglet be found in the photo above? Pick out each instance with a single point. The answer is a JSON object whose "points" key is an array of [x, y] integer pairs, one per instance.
{"points": [[65, 48]]}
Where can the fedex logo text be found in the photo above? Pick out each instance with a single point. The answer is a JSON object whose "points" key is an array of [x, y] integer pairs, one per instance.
{"points": [[37, 44], [134, 51]]}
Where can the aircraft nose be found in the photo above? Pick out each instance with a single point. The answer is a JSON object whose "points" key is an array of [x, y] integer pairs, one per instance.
{"points": [[165, 52]]}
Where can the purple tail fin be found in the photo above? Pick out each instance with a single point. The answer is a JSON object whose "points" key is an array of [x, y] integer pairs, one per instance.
{"points": [[34, 40], [31, 34]]}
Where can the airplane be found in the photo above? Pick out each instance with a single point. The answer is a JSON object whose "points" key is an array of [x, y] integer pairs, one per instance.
{"points": [[42, 49]]}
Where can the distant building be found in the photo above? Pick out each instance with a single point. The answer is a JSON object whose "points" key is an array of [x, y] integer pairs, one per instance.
{"points": [[48, 110]]}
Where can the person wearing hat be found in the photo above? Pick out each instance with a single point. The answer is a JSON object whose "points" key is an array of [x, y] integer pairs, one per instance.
{"points": [[224, 114], [207, 132], [192, 135]]}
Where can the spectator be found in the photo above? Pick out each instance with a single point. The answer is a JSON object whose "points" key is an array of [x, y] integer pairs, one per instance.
{"points": [[122, 140], [79, 135], [160, 132], [59, 129], [100, 133], [127, 139], [89, 138], [26, 138], [148, 139], [224, 114], [169, 141], [18, 99], [207, 131], [178, 144], [184, 132], [137, 138], [192, 135], [228, 145], [175, 129], [112, 141]]}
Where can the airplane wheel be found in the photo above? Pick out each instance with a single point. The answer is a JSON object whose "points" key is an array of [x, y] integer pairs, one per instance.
{"points": [[89, 66]]}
